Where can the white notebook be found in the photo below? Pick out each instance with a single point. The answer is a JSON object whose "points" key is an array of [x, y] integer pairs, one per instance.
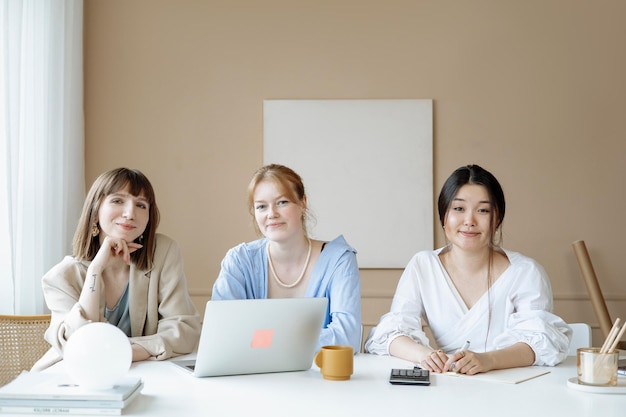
{"points": [[507, 376], [59, 386]]}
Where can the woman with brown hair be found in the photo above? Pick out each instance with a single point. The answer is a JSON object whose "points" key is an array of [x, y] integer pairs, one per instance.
{"points": [[122, 272]]}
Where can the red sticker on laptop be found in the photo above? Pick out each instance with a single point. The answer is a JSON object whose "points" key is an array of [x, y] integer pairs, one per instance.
{"points": [[262, 339]]}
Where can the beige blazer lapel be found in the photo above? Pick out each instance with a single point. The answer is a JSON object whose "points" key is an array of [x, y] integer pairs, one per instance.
{"points": [[138, 299]]}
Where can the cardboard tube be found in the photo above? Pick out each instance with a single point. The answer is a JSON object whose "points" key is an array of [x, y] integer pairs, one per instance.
{"points": [[593, 288]]}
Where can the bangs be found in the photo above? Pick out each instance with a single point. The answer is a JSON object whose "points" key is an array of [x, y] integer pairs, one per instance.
{"points": [[135, 185]]}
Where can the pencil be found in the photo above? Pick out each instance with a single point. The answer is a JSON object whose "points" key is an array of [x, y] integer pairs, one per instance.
{"points": [[617, 338], [610, 337]]}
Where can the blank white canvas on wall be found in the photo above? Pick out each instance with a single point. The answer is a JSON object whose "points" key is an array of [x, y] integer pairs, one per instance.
{"points": [[367, 170]]}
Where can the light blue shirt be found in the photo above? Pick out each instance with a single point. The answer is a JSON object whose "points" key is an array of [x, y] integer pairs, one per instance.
{"points": [[335, 276]]}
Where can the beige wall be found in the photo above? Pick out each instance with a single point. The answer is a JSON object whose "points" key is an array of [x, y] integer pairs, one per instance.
{"points": [[532, 90]]}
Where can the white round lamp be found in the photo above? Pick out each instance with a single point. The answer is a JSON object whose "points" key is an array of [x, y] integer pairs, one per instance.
{"points": [[97, 355]]}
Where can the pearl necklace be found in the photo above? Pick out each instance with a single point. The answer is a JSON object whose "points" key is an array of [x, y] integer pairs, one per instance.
{"points": [[306, 265]]}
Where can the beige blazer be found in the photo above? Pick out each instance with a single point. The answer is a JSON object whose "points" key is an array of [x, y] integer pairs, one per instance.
{"points": [[163, 318]]}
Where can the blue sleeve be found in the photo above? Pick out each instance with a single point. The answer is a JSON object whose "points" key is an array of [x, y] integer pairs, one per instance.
{"points": [[343, 319], [240, 277]]}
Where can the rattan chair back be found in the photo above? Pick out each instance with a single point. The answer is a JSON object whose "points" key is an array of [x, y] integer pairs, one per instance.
{"points": [[21, 344]]}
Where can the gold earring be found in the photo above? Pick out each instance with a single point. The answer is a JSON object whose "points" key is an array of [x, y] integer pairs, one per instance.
{"points": [[95, 230]]}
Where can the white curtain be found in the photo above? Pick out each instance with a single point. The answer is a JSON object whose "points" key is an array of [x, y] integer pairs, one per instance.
{"points": [[41, 143]]}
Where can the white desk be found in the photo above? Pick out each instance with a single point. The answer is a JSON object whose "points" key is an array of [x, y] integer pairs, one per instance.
{"points": [[171, 392]]}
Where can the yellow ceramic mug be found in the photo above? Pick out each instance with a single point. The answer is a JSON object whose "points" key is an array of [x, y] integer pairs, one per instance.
{"points": [[335, 362]]}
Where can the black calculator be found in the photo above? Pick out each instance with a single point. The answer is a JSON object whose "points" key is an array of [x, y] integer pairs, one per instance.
{"points": [[415, 376]]}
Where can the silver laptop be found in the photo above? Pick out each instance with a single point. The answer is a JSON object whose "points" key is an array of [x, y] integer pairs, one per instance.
{"points": [[257, 336]]}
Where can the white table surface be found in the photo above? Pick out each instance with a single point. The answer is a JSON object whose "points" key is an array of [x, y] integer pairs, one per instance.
{"points": [[169, 391]]}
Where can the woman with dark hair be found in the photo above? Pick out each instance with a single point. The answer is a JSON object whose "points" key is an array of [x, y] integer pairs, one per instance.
{"points": [[287, 263], [472, 291], [122, 272]]}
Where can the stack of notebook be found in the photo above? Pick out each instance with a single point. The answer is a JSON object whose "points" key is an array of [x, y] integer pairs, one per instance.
{"points": [[50, 393]]}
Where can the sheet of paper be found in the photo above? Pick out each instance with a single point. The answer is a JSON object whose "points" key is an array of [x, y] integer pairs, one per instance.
{"points": [[507, 376]]}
